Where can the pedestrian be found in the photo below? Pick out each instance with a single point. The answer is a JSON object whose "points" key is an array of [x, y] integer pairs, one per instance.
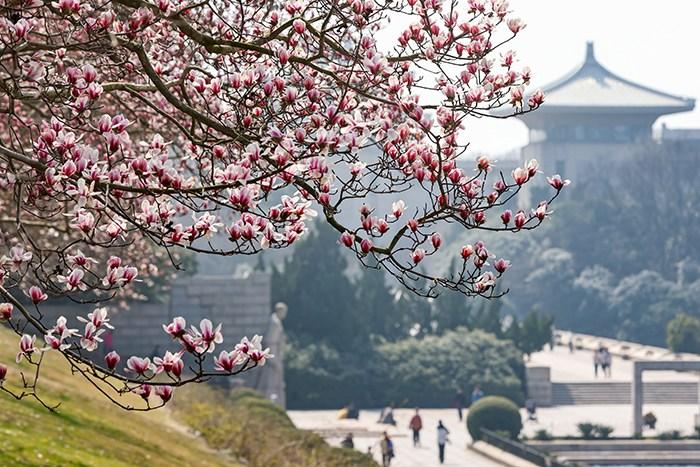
{"points": [[597, 361], [460, 402], [387, 448], [531, 407], [607, 362], [477, 394], [387, 416], [416, 424], [442, 439], [347, 442], [571, 342]]}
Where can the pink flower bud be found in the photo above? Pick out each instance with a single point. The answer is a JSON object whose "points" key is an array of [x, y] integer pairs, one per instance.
{"points": [[520, 219], [417, 255], [164, 392], [436, 240], [501, 265], [467, 251], [3, 372], [413, 225], [347, 239], [36, 294], [6, 311], [112, 360], [505, 217], [299, 26], [366, 245]]}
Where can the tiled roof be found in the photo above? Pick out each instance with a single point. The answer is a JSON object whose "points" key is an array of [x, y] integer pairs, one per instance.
{"points": [[592, 86]]}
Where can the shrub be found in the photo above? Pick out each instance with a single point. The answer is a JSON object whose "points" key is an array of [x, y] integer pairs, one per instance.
{"points": [[683, 334], [673, 434], [594, 431], [496, 414], [543, 435]]}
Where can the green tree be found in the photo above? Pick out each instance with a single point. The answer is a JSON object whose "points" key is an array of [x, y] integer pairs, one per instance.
{"points": [[683, 334]]}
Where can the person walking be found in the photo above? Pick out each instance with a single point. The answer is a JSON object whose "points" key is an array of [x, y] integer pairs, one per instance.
{"points": [[606, 359], [460, 402], [416, 424], [442, 439], [347, 442], [597, 361], [387, 448], [477, 394]]}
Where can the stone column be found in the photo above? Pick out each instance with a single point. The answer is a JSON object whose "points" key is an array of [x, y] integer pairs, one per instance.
{"points": [[637, 399]]}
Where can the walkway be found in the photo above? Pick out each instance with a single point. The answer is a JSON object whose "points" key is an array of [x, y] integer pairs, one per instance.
{"points": [[367, 434]]}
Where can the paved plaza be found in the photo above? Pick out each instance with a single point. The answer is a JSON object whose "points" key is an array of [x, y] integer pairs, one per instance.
{"points": [[367, 433]]}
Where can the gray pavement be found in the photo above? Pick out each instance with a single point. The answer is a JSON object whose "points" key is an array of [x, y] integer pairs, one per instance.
{"points": [[367, 434]]}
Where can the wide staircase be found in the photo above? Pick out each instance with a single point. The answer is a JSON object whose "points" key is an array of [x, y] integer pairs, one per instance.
{"points": [[592, 393]]}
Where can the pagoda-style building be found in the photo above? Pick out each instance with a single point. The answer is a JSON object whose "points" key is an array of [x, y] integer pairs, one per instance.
{"points": [[592, 115]]}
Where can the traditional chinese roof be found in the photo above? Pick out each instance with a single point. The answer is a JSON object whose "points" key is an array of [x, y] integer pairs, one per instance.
{"points": [[593, 88]]}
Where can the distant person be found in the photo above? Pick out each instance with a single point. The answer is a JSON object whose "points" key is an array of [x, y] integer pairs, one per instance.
{"points": [[442, 439], [387, 416], [571, 342], [387, 447], [460, 402], [347, 442], [415, 425], [477, 394], [606, 362], [597, 361], [531, 407], [353, 412], [649, 420]]}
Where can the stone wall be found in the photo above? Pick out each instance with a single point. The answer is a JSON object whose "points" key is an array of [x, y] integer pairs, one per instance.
{"points": [[241, 304]]}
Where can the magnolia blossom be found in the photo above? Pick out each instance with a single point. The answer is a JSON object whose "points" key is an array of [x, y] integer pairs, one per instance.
{"points": [[501, 265], [169, 363], [6, 311], [3, 373], [36, 294], [140, 366], [164, 392], [98, 318], [418, 255], [397, 208], [91, 337], [557, 183], [112, 359], [143, 390], [208, 335], [176, 328], [26, 347], [226, 361]]}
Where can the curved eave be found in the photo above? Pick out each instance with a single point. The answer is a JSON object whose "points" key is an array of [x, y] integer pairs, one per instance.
{"points": [[626, 110]]}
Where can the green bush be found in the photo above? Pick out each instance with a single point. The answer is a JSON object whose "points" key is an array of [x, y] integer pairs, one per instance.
{"points": [[683, 334], [594, 431], [496, 414], [543, 435], [667, 435]]}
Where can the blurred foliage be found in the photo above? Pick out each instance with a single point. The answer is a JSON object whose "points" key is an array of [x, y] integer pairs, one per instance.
{"points": [[258, 432], [683, 334]]}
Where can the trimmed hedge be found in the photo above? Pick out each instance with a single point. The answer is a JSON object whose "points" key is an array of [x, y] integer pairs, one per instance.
{"points": [[496, 414]]}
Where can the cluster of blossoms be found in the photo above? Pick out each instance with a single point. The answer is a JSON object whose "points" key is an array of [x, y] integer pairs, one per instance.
{"points": [[140, 129]]}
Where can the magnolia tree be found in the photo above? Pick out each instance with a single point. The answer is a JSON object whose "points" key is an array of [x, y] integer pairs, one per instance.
{"points": [[138, 129]]}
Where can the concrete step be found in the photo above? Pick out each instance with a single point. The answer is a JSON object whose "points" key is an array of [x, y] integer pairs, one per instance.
{"points": [[620, 393]]}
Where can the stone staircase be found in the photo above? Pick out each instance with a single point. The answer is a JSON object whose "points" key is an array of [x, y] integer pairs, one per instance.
{"points": [[591, 393]]}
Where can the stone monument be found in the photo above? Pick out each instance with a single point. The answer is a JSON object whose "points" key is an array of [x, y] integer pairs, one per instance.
{"points": [[271, 376]]}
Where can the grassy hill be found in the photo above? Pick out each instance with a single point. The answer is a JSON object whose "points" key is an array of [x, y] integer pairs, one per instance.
{"points": [[242, 428]]}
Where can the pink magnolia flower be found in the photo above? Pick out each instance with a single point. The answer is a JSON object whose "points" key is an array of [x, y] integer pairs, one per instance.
{"points": [[520, 219], [366, 245], [417, 255], [98, 318], [3, 372], [208, 335], [26, 347], [255, 350], [143, 390], [36, 294], [501, 265], [226, 361], [536, 100], [112, 359], [520, 175], [6, 311], [436, 240], [557, 183], [413, 225], [541, 211], [169, 363], [483, 163], [176, 328], [91, 337], [397, 208], [140, 366], [74, 280], [55, 343], [467, 251], [164, 392], [347, 239], [506, 216]]}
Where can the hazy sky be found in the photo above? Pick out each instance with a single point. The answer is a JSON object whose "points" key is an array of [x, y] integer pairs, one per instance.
{"points": [[654, 43]]}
